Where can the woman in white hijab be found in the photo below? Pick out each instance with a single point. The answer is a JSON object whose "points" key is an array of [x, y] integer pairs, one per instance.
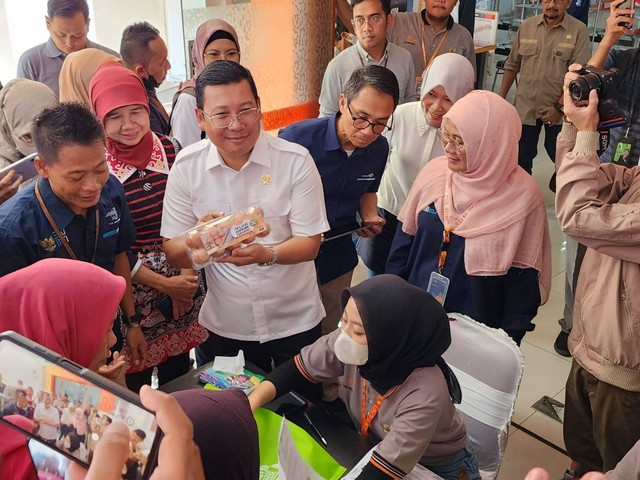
{"points": [[413, 141]]}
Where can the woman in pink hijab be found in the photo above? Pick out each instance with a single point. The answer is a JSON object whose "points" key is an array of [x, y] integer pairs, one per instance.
{"points": [[215, 40], [67, 306], [473, 230]]}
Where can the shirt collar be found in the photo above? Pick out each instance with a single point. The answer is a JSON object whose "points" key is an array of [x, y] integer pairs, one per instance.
{"points": [[260, 153], [60, 212], [562, 24], [423, 15], [52, 51], [331, 141], [368, 58]]}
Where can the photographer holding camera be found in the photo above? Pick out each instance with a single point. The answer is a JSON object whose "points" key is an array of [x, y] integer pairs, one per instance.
{"points": [[599, 206], [626, 95]]}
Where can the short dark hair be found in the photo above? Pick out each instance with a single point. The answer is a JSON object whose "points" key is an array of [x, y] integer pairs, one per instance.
{"points": [[67, 8], [65, 124], [134, 46], [380, 78], [222, 72], [385, 4]]}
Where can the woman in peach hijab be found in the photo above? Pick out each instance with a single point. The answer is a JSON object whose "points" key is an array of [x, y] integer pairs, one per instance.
{"points": [[77, 71], [473, 230]]}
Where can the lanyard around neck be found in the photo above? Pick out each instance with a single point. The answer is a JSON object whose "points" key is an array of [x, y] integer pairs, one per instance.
{"points": [[367, 419], [385, 55], [435, 52], [56, 229], [448, 228]]}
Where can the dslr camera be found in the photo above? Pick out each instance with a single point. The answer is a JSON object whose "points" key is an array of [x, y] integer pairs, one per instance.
{"points": [[592, 78]]}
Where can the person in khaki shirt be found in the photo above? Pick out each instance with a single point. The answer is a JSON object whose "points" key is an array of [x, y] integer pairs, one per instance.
{"points": [[543, 49]]}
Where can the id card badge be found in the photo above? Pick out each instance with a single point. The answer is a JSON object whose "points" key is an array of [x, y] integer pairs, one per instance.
{"points": [[438, 286], [418, 86], [622, 154]]}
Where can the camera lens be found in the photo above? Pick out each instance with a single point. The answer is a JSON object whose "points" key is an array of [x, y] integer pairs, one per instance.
{"points": [[579, 88]]}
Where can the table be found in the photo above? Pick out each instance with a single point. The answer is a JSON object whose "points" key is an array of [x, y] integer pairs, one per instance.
{"points": [[481, 63], [345, 445]]}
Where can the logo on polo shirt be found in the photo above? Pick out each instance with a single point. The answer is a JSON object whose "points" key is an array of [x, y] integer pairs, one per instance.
{"points": [[48, 243], [367, 178], [112, 216]]}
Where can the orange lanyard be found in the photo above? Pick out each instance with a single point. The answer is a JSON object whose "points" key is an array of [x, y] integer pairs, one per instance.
{"points": [[62, 238], [435, 52], [446, 234], [367, 419]]}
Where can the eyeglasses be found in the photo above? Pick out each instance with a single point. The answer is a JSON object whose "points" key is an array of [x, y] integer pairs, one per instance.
{"points": [[225, 120], [220, 55], [362, 124], [557, 2], [446, 139], [372, 20]]}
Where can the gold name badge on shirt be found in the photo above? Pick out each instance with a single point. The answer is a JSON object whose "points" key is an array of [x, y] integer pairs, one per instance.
{"points": [[386, 427], [266, 179]]}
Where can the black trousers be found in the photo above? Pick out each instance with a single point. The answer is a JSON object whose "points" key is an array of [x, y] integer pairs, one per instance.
{"points": [[528, 146], [170, 369]]}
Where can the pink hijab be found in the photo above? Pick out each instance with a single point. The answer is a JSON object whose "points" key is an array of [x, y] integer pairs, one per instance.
{"points": [[507, 225], [64, 305], [203, 35]]}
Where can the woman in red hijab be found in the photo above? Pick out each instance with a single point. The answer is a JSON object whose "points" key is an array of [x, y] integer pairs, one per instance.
{"points": [[67, 306], [167, 299]]}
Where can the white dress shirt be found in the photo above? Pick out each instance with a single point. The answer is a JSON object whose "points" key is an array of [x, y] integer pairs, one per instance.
{"points": [[251, 302]]}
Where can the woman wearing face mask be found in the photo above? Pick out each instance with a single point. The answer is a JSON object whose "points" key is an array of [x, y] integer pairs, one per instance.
{"points": [[476, 222], [21, 100], [398, 389], [164, 296], [215, 40], [413, 141], [69, 307]]}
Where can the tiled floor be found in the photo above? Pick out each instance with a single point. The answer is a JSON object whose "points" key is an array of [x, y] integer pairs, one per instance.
{"points": [[545, 371]]}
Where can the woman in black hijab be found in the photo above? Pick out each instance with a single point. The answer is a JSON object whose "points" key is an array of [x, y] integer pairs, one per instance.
{"points": [[394, 382]]}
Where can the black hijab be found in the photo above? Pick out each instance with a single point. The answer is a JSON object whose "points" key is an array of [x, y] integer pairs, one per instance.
{"points": [[406, 329], [225, 431]]}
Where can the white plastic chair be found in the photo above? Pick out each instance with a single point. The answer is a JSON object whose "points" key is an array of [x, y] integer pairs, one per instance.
{"points": [[489, 366]]}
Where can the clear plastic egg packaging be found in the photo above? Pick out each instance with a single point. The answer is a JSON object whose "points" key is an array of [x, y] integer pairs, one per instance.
{"points": [[212, 240]]}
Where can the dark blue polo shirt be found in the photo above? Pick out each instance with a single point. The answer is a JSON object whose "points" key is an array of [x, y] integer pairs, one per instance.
{"points": [[26, 235], [345, 179]]}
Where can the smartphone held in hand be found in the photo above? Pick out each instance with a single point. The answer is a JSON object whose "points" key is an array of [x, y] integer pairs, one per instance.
{"points": [[67, 407]]}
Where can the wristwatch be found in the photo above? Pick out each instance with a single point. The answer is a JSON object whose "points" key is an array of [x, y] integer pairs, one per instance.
{"points": [[274, 257], [133, 321]]}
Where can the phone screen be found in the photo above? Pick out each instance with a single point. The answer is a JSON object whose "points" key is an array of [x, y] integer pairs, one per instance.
{"points": [[66, 411], [48, 463]]}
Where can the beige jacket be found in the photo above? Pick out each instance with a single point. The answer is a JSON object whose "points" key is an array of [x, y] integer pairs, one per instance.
{"points": [[599, 206]]}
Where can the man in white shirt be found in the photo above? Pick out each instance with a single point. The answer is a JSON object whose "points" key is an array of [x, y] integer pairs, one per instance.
{"points": [[263, 298], [48, 419], [371, 18]]}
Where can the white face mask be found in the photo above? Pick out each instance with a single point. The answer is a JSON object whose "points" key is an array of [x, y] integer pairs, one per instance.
{"points": [[349, 351]]}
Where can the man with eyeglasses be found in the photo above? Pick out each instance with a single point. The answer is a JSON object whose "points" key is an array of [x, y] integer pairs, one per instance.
{"points": [[262, 298], [350, 154], [543, 49], [371, 18], [430, 33]]}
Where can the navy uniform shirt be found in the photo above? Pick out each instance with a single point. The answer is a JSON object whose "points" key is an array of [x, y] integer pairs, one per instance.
{"points": [[508, 301], [26, 235], [345, 179]]}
